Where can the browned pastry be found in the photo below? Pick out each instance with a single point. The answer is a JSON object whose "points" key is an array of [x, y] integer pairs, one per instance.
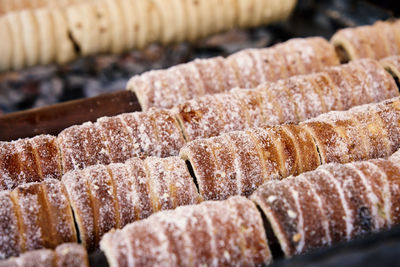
{"points": [[331, 204], [290, 100], [34, 216], [245, 69], [116, 139], [382, 39], [29, 160], [212, 233], [392, 65], [67, 254], [364, 132], [163, 132], [105, 197], [238, 162]]}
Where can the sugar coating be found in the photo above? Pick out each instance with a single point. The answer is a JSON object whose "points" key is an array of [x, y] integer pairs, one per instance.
{"points": [[116, 139], [373, 41], [351, 42], [303, 94], [264, 139], [200, 155], [143, 198], [48, 156], [32, 215], [28, 160], [308, 157], [255, 248], [251, 105], [279, 93], [319, 234], [333, 203], [328, 91], [209, 233], [125, 192], [395, 157], [392, 174], [67, 254], [41, 257], [101, 190], [105, 197], [371, 179], [10, 238], [291, 100], [246, 69], [278, 205], [356, 195], [338, 133], [392, 64], [81, 203], [200, 117], [10, 165], [59, 211], [29, 169], [169, 134], [247, 163], [385, 30], [70, 254], [246, 66]]}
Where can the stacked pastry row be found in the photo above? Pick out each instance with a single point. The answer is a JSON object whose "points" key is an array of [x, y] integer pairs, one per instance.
{"points": [[164, 88], [380, 40], [163, 133], [39, 215], [60, 33], [245, 69], [224, 233], [105, 197], [68, 254], [236, 163], [334, 203]]}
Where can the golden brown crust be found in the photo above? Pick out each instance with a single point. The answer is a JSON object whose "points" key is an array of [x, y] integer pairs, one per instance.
{"points": [[333, 203], [246, 69], [373, 41], [107, 197], [200, 155], [210, 233], [67, 254], [43, 214], [392, 65], [70, 254], [59, 212], [11, 241], [391, 171], [305, 146], [81, 204], [330, 145], [278, 205], [47, 155]]}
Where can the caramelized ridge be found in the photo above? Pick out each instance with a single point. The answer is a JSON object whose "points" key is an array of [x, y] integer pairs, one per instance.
{"points": [[96, 230], [48, 222], [116, 202], [139, 177]]}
